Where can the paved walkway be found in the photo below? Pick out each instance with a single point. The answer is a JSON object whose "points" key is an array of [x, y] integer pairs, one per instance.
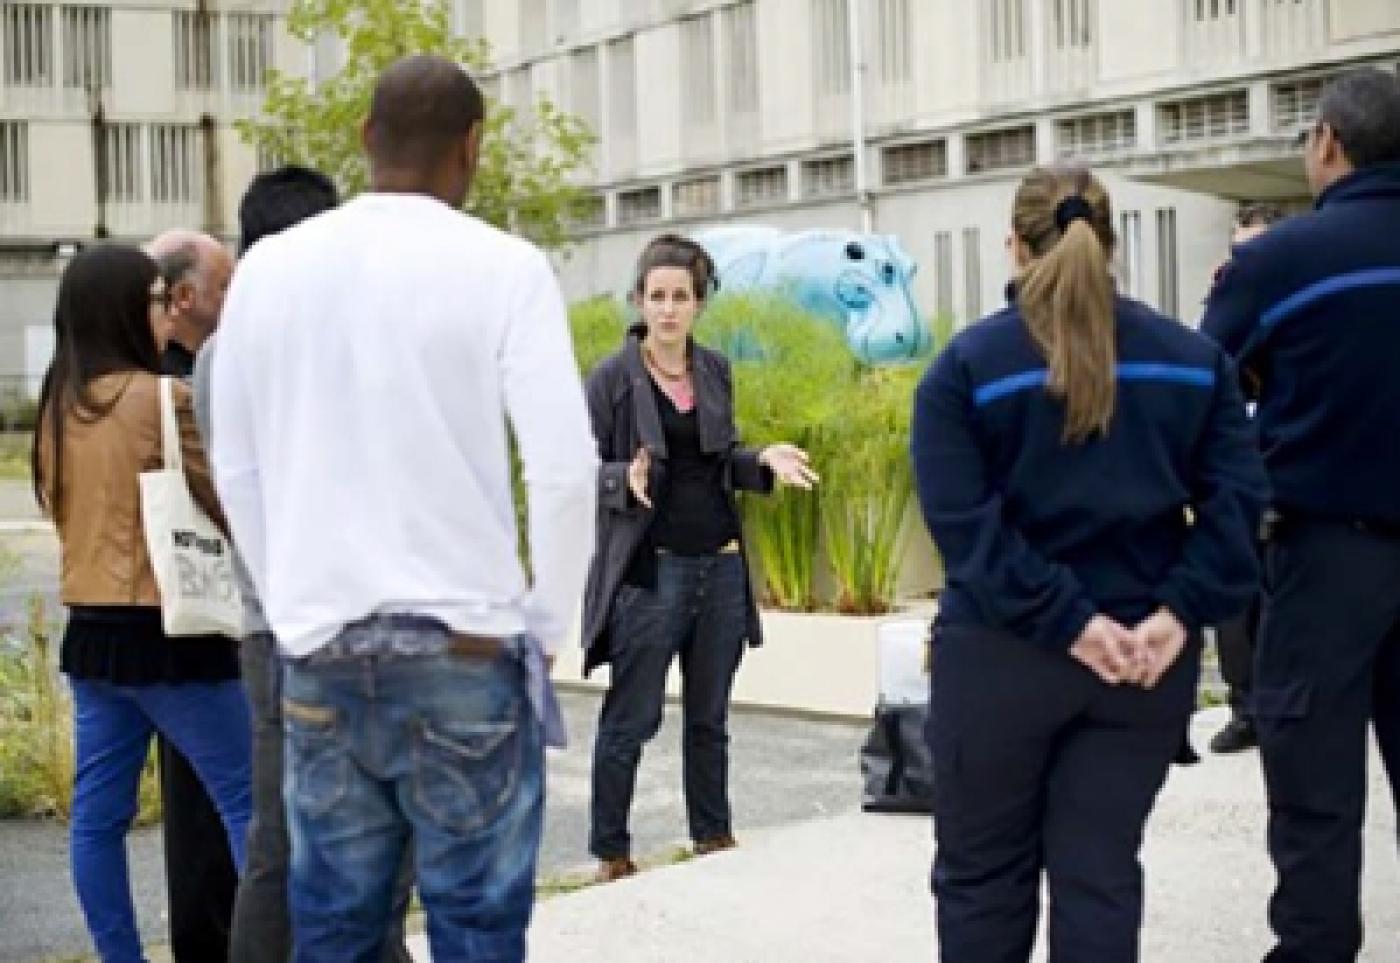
{"points": [[854, 888]]}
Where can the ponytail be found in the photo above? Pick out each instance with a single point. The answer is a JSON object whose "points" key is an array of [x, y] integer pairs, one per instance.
{"points": [[1067, 300]]}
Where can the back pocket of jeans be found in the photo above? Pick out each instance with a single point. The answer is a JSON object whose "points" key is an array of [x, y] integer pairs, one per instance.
{"points": [[320, 764], [465, 773]]}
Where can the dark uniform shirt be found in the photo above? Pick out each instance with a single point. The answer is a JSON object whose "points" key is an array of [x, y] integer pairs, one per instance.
{"points": [[1038, 535], [1313, 308]]}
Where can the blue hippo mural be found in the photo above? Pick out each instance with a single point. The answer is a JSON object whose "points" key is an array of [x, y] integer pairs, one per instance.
{"points": [[858, 281]]}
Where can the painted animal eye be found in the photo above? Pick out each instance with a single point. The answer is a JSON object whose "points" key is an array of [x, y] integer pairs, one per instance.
{"points": [[855, 252]]}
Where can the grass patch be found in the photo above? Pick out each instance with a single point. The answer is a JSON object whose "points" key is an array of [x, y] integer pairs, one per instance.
{"points": [[14, 456], [36, 729]]}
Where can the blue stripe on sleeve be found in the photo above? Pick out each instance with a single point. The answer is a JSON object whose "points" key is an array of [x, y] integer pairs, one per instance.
{"points": [[1127, 371], [1298, 300]]}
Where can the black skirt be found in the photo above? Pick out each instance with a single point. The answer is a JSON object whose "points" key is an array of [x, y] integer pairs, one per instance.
{"points": [[126, 645]]}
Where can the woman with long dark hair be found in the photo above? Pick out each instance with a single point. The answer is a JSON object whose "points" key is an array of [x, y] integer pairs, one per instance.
{"points": [[99, 429], [1085, 467], [669, 579]]}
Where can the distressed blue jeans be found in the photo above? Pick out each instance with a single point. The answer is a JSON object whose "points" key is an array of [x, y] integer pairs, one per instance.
{"points": [[442, 749]]}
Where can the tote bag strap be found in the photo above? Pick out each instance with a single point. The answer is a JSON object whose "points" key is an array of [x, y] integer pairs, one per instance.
{"points": [[171, 455]]}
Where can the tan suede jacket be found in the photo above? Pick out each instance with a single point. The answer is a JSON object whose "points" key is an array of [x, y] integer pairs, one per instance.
{"points": [[97, 510]]}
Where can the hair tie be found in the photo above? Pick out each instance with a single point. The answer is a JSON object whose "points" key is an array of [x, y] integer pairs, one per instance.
{"points": [[1072, 208]]}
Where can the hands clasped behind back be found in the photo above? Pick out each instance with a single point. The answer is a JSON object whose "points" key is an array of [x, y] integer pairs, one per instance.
{"points": [[1140, 655]]}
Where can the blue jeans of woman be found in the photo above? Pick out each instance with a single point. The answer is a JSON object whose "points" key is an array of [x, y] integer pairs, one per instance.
{"points": [[698, 611], [208, 723]]}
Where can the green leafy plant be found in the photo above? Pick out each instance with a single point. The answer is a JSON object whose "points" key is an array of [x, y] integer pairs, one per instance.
{"points": [[597, 326], [527, 179], [791, 369], [867, 488]]}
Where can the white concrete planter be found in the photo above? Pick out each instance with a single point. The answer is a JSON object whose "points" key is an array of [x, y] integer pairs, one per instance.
{"points": [[820, 663]]}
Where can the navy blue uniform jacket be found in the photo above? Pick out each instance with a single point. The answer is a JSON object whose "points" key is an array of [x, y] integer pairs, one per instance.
{"points": [[1312, 308], [1037, 535]]}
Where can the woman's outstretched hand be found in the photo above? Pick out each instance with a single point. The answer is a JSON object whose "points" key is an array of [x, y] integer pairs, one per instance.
{"points": [[789, 464]]}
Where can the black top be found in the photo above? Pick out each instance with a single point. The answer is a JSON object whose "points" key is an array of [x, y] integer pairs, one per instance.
{"points": [[125, 645], [178, 361], [693, 514]]}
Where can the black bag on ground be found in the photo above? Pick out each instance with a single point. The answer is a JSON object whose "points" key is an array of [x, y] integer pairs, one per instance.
{"points": [[895, 762]]}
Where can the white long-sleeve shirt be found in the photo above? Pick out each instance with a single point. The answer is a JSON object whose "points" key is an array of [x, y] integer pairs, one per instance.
{"points": [[368, 362]]}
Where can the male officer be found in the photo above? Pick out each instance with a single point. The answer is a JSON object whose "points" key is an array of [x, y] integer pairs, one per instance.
{"points": [[1235, 639], [1314, 306]]}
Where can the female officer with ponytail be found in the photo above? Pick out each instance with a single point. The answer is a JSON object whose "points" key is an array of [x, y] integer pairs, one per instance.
{"points": [[1085, 467]]}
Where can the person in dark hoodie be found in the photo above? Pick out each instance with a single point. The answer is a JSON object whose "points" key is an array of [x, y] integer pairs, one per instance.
{"points": [[1086, 469], [1311, 313]]}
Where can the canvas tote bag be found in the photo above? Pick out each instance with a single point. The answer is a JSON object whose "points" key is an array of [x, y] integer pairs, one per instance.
{"points": [[192, 559]]}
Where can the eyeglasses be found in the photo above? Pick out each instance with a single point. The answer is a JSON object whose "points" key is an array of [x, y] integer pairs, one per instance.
{"points": [[160, 294]]}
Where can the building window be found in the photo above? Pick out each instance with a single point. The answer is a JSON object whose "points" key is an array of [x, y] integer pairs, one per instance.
{"points": [[909, 163], [585, 87], [1293, 105], [698, 71], [761, 186], [1200, 119], [1207, 11], [1072, 24], [696, 197], [267, 159], [943, 273], [972, 271], [563, 20], [87, 47], [520, 90], [175, 164], [894, 41], [828, 176], [639, 206], [121, 162], [1214, 30], [831, 47], [1131, 241], [622, 89], [590, 213], [534, 29], [249, 49], [1096, 135], [26, 30], [997, 150], [741, 46], [1006, 25], [14, 161], [1166, 261], [194, 50], [468, 18]]}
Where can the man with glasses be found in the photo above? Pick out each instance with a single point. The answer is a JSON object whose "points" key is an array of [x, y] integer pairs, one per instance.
{"points": [[1311, 312]]}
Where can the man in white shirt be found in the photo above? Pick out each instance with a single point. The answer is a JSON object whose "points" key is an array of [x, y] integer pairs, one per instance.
{"points": [[369, 361]]}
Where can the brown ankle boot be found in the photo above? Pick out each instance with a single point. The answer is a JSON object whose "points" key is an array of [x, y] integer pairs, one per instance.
{"points": [[718, 844], [611, 870]]}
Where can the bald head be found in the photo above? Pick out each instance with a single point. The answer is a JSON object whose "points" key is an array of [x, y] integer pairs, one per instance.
{"points": [[197, 269], [424, 128]]}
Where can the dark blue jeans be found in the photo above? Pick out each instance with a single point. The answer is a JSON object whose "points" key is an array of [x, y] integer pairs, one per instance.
{"points": [[698, 611], [208, 723], [443, 749]]}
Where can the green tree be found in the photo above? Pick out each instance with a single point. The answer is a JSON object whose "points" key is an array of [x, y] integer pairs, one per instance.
{"points": [[528, 160]]}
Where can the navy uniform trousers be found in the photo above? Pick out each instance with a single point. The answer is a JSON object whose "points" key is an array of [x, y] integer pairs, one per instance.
{"points": [[1038, 767], [1328, 664]]}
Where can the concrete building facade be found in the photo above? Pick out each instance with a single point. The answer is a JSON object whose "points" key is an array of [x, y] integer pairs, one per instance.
{"points": [[116, 120]]}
